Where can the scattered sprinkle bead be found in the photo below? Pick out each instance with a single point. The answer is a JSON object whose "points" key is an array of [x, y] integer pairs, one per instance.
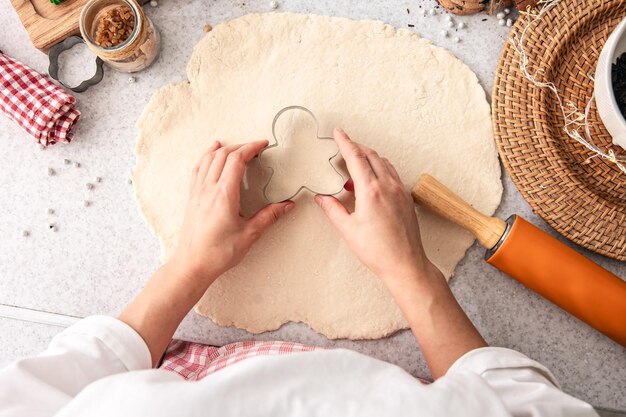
{"points": [[444, 33], [450, 24], [154, 3], [76, 164], [274, 4], [25, 233], [50, 211], [432, 12], [66, 161], [51, 171], [501, 22], [98, 179], [457, 39], [86, 203], [131, 79], [461, 25], [424, 12], [500, 15], [448, 18], [89, 186], [509, 22], [507, 11], [53, 227]]}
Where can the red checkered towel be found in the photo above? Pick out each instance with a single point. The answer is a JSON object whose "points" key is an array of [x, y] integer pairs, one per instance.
{"points": [[194, 361], [35, 103]]}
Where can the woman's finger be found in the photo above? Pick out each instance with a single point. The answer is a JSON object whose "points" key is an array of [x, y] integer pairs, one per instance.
{"points": [[204, 163], [336, 212], [217, 166], [392, 170], [356, 160], [236, 162], [376, 162], [266, 217]]}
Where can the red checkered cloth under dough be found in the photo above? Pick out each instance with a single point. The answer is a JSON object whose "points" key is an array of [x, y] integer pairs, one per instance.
{"points": [[35, 103], [194, 361]]}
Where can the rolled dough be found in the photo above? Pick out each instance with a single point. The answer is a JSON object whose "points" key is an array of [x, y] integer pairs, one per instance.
{"points": [[414, 102]]}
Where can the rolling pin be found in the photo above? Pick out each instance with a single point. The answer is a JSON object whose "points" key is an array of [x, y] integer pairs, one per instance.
{"points": [[537, 260]]}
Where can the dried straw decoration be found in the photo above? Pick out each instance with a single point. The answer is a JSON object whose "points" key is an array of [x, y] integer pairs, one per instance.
{"points": [[575, 120], [548, 132]]}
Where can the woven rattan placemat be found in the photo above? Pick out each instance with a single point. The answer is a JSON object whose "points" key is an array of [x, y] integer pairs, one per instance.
{"points": [[584, 200]]}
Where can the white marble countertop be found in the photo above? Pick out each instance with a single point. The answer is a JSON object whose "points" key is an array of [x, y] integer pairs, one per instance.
{"points": [[102, 255]]}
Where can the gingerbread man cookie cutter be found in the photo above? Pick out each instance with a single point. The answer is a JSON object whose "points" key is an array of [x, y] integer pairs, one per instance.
{"points": [[276, 144]]}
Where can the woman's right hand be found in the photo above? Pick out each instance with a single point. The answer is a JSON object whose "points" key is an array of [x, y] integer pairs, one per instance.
{"points": [[384, 233], [383, 230]]}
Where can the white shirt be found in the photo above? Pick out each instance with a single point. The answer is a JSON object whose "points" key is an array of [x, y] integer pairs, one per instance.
{"points": [[101, 367]]}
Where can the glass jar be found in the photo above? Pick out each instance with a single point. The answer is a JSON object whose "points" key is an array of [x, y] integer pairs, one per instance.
{"points": [[133, 54]]}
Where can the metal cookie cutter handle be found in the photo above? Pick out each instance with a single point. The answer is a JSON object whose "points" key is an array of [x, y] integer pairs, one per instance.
{"points": [[53, 68], [275, 144]]}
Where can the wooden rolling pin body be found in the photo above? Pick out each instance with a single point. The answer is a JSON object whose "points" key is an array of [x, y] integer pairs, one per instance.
{"points": [[537, 260]]}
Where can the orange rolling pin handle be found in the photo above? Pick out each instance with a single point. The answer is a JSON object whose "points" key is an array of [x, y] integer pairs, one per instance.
{"points": [[537, 260]]}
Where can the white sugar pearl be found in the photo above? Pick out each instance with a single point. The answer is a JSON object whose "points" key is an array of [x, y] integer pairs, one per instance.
{"points": [[432, 12], [131, 79], [457, 39], [50, 211], [444, 33], [129, 181], [424, 12], [507, 11], [89, 186], [76, 164], [449, 18], [500, 15], [461, 25], [51, 171], [86, 203], [25, 233], [509, 22], [67, 161], [154, 3], [274, 5], [450, 24], [501, 22]]}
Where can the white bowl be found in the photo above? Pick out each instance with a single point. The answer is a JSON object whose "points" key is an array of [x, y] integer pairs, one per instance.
{"points": [[603, 88]]}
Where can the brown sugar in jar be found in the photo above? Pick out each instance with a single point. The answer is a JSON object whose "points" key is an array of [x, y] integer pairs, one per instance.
{"points": [[120, 33], [113, 26]]}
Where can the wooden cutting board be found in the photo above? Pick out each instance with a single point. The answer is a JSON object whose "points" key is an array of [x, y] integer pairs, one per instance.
{"points": [[48, 24]]}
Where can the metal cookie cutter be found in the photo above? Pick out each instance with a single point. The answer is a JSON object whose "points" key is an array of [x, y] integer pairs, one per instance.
{"points": [[275, 144], [53, 69]]}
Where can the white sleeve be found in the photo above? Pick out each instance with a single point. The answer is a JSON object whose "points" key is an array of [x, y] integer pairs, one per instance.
{"points": [[91, 349], [526, 387]]}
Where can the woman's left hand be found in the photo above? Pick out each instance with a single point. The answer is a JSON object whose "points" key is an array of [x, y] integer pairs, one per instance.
{"points": [[215, 236]]}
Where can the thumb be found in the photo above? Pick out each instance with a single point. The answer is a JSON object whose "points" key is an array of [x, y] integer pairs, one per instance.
{"points": [[269, 215], [334, 210]]}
